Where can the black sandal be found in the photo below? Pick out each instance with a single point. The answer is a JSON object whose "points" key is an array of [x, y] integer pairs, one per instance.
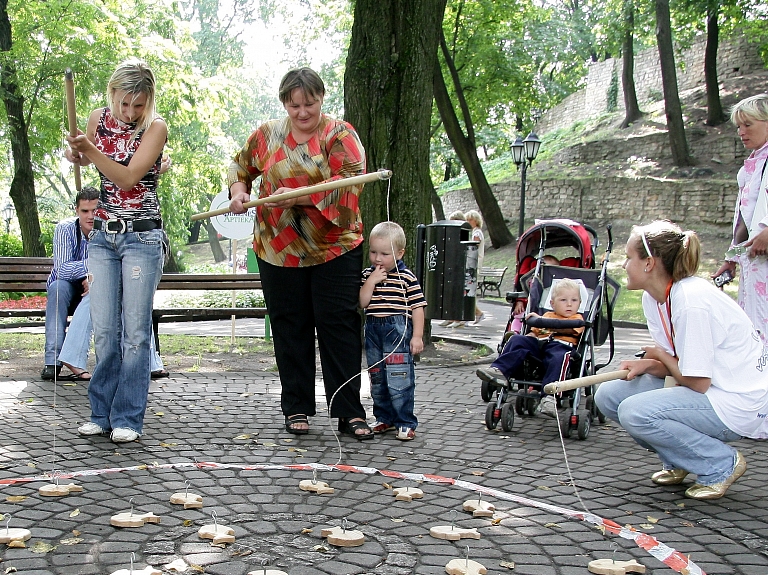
{"points": [[349, 427], [298, 418]]}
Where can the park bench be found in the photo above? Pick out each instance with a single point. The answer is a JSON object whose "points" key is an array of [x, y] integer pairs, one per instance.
{"points": [[29, 275], [490, 279]]}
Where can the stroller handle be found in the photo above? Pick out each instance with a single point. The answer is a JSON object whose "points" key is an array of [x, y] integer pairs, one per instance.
{"points": [[550, 323]]}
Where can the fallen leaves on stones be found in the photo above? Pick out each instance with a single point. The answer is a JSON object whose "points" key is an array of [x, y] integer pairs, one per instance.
{"points": [[307, 530], [16, 543], [387, 486], [543, 488], [188, 523], [42, 547], [478, 473], [687, 524], [75, 513], [496, 521], [652, 519], [396, 520], [197, 568], [15, 498], [297, 449], [75, 532], [243, 436], [177, 565], [646, 526], [10, 570], [507, 564], [321, 549], [71, 541], [159, 413], [167, 444], [552, 525]]}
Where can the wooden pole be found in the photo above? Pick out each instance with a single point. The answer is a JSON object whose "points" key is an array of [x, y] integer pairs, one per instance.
{"points": [[69, 91], [299, 192], [560, 386]]}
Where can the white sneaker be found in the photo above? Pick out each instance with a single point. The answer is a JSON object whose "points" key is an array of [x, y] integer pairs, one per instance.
{"points": [[91, 428], [548, 406], [458, 324], [479, 318], [445, 323], [123, 435]]}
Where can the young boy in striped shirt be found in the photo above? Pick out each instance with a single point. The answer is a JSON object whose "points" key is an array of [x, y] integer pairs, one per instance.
{"points": [[394, 328]]}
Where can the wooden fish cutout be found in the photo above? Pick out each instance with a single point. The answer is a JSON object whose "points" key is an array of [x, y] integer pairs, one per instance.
{"points": [[148, 570], [343, 538], [465, 567], [218, 533], [611, 567], [188, 500], [128, 519], [14, 534], [407, 493], [479, 508], [53, 490], [319, 487], [453, 533]]}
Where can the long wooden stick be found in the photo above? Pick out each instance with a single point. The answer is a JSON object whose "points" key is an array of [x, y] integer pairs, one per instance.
{"points": [[299, 192], [69, 91], [560, 386]]}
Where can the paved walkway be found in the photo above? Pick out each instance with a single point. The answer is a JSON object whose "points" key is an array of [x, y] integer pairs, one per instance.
{"points": [[233, 420]]}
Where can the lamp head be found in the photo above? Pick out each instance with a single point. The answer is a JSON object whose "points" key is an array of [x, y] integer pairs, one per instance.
{"points": [[518, 148], [8, 211], [532, 145]]}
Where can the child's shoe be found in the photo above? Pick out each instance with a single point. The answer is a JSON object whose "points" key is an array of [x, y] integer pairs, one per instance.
{"points": [[380, 427], [548, 406], [405, 433], [492, 375]]}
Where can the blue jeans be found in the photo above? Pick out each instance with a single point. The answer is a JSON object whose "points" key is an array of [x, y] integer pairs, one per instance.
{"points": [[125, 270], [677, 423], [77, 342], [393, 380], [63, 296]]}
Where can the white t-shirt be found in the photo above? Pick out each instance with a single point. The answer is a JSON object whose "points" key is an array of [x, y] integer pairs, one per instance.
{"points": [[714, 338]]}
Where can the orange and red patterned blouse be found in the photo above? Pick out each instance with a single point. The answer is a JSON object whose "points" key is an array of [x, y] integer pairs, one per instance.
{"points": [[303, 236]]}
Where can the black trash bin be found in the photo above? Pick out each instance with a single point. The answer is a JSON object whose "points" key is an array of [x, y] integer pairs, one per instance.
{"points": [[450, 270]]}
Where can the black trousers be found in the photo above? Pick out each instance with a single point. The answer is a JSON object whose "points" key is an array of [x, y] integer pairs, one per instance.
{"points": [[322, 298]]}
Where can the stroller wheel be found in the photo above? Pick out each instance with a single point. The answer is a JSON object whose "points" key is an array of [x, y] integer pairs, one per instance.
{"points": [[520, 405], [492, 416], [531, 404], [583, 427], [565, 425], [594, 411], [507, 417], [486, 392]]}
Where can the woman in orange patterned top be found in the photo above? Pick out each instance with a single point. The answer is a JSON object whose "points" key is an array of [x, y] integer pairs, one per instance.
{"points": [[309, 250]]}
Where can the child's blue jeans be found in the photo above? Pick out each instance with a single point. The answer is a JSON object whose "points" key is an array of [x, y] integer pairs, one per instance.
{"points": [[390, 367]]}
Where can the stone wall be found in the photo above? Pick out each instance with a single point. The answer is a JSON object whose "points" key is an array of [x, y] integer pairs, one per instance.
{"points": [[688, 201], [735, 57]]}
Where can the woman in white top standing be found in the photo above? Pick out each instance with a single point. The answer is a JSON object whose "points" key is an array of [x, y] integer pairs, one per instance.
{"points": [[750, 220], [717, 363], [476, 221]]}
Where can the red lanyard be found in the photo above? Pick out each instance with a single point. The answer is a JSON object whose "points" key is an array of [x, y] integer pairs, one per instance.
{"points": [[668, 330]]}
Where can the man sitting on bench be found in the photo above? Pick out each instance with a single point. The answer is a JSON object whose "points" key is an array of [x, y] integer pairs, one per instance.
{"points": [[67, 283]]}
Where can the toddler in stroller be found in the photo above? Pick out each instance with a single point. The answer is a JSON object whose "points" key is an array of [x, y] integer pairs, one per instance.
{"points": [[551, 340]]}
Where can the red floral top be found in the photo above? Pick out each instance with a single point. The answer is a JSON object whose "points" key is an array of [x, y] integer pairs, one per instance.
{"points": [[113, 139], [303, 236]]}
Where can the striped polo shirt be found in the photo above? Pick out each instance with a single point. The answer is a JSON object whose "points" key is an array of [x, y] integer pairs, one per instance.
{"points": [[397, 295]]}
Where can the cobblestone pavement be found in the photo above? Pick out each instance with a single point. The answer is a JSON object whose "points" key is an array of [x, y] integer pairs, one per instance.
{"points": [[234, 419]]}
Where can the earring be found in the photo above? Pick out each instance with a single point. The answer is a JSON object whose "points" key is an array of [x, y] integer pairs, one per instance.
{"points": [[646, 270]]}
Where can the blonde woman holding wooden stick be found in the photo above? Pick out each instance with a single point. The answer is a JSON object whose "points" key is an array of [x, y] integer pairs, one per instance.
{"points": [[717, 363], [309, 250]]}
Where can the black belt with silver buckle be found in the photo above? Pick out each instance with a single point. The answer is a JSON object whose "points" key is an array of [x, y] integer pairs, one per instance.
{"points": [[118, 226]]}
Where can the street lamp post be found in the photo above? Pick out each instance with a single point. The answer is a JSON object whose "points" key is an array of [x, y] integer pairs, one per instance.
{"points": [[523, 154], [8, 212]]}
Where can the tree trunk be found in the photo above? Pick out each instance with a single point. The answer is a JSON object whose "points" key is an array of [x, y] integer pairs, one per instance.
{"points": [[213, 240], [22, 190], [467, 153], [437, 205], [388, 99], [715, 115], [632, 111], [672, 107]]}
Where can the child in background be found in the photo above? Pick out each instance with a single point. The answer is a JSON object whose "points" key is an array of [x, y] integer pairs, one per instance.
{"points": [[552, 346], [476, 221], [394, 327]]}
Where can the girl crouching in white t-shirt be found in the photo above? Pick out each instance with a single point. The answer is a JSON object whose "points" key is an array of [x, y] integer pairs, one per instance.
{"points": [[716, 361]]}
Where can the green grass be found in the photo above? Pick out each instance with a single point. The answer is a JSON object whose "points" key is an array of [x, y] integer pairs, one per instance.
{"points": [[31, 345]]}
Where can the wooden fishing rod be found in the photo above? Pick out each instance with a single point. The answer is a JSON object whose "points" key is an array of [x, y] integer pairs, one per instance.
{"points": [[299, 192], [587, 380], [69, 91]]}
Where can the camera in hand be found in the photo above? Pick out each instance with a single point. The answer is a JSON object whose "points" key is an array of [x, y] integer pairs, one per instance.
{"points": [[723, 278]]}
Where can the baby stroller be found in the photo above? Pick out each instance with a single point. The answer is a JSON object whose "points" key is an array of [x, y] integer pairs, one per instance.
{"points": [[533, 280]]}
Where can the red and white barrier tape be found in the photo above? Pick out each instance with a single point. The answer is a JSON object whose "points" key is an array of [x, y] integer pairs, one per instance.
{"points": [[670, 557]]}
